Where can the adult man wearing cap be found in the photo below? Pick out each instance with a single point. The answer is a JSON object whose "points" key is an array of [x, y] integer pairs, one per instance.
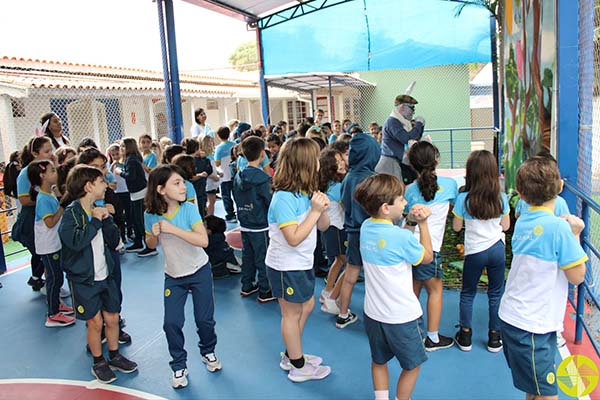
{"points": [[398, 129]]}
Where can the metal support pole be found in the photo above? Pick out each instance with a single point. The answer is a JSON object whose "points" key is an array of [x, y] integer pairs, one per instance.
{"points": [[331, 105], [174, 73], [264, 91], [451, 148], [165, 61], [313, 100], [585, 215], [495, 88]]}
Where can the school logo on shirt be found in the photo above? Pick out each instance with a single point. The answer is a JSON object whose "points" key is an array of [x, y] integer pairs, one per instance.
{"points": [[577, 376], [440, 188], [167, 292], [381, 243], [290, 291], [538, 230], [55, 257], [80, 309]]}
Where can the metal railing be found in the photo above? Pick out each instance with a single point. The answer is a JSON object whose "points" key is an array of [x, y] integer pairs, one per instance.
{"points": [[587, 287], [452, 145], [3, 256]]}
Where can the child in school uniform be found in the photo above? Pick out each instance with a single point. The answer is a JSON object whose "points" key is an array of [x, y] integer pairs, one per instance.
{"points": [[48, 212], [439, 194], [363, 156], [252, 193], [220, 254], [391, 310], [115, 159], [214, 179], [547, 257], [202, 169], [484, 211], [177, 224], [293, 221], [148, 156], [186, 163], [222, 160], [88, 234]]}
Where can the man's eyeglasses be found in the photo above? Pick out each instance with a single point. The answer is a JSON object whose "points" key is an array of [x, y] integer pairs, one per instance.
{"points": [[411, 106]]}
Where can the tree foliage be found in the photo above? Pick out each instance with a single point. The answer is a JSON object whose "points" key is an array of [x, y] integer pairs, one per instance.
{"points": [[245, 57]]}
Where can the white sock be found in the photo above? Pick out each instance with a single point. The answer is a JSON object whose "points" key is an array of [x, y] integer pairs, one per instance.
{"points": [[382, 395], [344, 315], [433, 336]]}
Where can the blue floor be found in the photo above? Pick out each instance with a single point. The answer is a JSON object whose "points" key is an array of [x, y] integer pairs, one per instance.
{"points": [[249, 346]]}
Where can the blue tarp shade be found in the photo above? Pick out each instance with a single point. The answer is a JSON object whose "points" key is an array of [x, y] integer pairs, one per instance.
{"points": [[402, 34]]}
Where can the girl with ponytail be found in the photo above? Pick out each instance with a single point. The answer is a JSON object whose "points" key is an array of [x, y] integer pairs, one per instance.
{"points": [[438, 193]]}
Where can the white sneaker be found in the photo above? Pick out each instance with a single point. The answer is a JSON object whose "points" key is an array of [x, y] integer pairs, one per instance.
{"points": [[324, 295], [286, 365], [330, 306], [64, 293], [308, 372], [212, 362], [560, 340], [179, 379], [234, 269]]}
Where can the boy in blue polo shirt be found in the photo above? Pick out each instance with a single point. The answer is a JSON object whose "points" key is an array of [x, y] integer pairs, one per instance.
{"points": [[546, 257], [222, 160], [388, 253]]}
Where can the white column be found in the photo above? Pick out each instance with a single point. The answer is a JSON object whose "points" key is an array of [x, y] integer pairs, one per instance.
{"points": [[8, 134], [151, 120]]}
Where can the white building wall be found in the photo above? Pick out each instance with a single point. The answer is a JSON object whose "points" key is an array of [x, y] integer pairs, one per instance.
{"points": [[135, 119]]}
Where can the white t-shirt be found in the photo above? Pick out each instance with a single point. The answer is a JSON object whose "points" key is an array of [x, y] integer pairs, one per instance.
{"points": [[210, 184], [289, 209], [439, 205], [335, 210], [480, 234], [388, 253], [46, 239], [100, 266], [535, 297], [199, 131]]}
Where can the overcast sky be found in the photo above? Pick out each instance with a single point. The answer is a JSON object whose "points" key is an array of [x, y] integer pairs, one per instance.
{"points": [[116, 32]]}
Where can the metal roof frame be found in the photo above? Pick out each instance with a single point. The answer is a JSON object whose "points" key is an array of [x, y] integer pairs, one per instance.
{"points": [[314, 81]]}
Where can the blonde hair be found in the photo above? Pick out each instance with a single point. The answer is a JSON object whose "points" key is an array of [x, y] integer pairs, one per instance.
{"points": [[297, 166], [205, 143]]}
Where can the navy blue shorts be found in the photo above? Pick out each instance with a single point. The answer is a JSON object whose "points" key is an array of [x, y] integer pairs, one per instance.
{"points": [[403, 341], [89, 299], [335, 242], [531, 359], [423, 272], [353, 256], [292, 286]]}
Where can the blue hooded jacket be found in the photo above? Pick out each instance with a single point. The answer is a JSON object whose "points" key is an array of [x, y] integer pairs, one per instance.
{"points": [[362, 159], [252, 194]]}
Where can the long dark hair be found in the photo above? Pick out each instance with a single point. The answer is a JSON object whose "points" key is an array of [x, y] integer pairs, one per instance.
{"points": [[76, 180], [33, 146], [47, 117], [36, 168], [423, 157], [154, 201], [328, 169], [483, 198], [11, 172]]}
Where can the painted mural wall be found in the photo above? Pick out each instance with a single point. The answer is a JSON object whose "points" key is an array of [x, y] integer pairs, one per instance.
{"points": [[530, 65]]}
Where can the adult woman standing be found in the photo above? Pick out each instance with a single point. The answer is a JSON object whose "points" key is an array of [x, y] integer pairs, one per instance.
{"points": [[53, 130]]}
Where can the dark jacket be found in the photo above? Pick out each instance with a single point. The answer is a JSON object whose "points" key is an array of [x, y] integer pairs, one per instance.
{"points": [[252, 194], [202, 165], [362, 159], [218, 250], [134, 174], [394, 137], [76, 232]]}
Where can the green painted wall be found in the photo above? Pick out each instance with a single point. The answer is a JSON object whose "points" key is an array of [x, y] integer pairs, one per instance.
{"points": [[443, 93]]}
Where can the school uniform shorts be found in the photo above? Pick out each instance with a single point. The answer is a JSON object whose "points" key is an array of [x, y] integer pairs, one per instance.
{"points": [[292, 286], [423, 272], [335, 242], [353, 256], [89, 299], [531, 359], [403, 341]]}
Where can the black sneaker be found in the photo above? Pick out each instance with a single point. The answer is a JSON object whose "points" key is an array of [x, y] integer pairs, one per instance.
{"points": [[134, 248], [463, 339], [147, 252], [122, 322], [36, 284], [266, 297], [103, 373], [124, 337], [247, 292], [344, 322], [219, 271], [444, 343], [120, 363], [494, 344]]}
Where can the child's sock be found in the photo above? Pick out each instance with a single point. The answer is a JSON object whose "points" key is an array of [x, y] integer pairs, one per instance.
{"points": [[382, 395], [113, 353], [344, 315], [433, 336], [299, 363], [98, 359]]}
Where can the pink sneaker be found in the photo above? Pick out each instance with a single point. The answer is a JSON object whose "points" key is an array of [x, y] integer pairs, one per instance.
{"points": [[59, 320], [65, 309]]}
